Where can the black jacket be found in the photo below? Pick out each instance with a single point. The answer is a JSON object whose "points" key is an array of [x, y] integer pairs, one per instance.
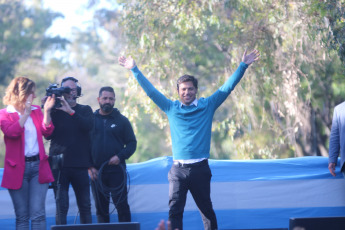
{"points": [[111, 135]]}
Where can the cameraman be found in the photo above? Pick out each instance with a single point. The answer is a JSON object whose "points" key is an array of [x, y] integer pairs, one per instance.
{"points": [[73, 122]]}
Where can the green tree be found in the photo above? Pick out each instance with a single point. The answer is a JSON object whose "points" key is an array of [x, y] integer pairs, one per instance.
{"points": [[22, 34], [94, 51], [278, 109], [330, 19], [282, 107]]}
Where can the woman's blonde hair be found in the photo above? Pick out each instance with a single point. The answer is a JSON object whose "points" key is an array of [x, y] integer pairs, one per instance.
{"points": [[18, 91]]}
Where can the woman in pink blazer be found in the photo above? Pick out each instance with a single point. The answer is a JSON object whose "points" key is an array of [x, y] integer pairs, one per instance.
{"points": [[27, 172]]}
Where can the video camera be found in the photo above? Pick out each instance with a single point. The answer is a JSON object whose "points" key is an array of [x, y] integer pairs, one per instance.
{"points": [[53, 89]]}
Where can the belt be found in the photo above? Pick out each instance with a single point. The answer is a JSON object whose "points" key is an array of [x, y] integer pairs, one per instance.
{"points": [[33, 158], [191, 165]]}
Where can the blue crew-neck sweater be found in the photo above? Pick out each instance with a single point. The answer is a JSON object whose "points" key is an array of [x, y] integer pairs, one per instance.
{"points": [[190, 126]]}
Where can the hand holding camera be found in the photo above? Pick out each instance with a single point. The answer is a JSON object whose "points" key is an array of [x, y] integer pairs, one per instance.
{"points": [[53, 92], [65, 106], [48, 103], [58, 92]]}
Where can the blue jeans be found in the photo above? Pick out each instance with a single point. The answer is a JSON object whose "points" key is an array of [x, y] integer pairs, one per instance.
{"points": [[79, 179], [29, 200]]}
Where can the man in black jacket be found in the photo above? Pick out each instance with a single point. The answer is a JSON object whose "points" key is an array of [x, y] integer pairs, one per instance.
{"points": [[113, 141], [71, 136]]}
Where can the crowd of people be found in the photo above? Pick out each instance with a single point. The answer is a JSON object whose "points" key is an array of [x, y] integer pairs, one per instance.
{"points": [[89, 149]]}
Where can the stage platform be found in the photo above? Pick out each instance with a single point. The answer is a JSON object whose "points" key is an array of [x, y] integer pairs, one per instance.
{"points": [[253, 194]]}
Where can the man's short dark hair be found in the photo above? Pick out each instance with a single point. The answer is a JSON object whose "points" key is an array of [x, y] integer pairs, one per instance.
{"points": [[107, 89], [186, 78]]}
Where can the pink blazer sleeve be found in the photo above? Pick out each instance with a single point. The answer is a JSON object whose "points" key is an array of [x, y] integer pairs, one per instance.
{"points": [[9, 124]]}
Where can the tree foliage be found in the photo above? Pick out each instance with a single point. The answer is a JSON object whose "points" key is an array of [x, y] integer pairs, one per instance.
{"points": [[281, 108], [22, 34], [331, 17]]}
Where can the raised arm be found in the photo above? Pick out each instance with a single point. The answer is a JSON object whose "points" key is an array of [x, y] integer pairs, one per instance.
{"points": [[157, 97], [224, 91]]}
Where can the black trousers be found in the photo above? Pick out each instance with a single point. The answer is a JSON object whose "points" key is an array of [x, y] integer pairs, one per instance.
{"points": [[102, 196], [196, 178], [79, 179]]}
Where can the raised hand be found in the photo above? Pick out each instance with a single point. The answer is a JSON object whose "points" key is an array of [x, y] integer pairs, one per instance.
{"points": [[26, 111], [28, 104], [250, 58], [128, 63], [49, 103]]}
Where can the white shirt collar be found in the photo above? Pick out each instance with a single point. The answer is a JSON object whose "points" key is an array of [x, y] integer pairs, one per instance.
{"points": [[11, 109], [195, 103]]}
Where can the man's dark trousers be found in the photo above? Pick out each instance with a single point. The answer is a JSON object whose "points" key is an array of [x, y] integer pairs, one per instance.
{"points": [[114, 179], [196, 178], [79, 179]]}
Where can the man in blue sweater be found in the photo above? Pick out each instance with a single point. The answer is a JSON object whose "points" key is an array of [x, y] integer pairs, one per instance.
{"points": [[190, 122]]}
